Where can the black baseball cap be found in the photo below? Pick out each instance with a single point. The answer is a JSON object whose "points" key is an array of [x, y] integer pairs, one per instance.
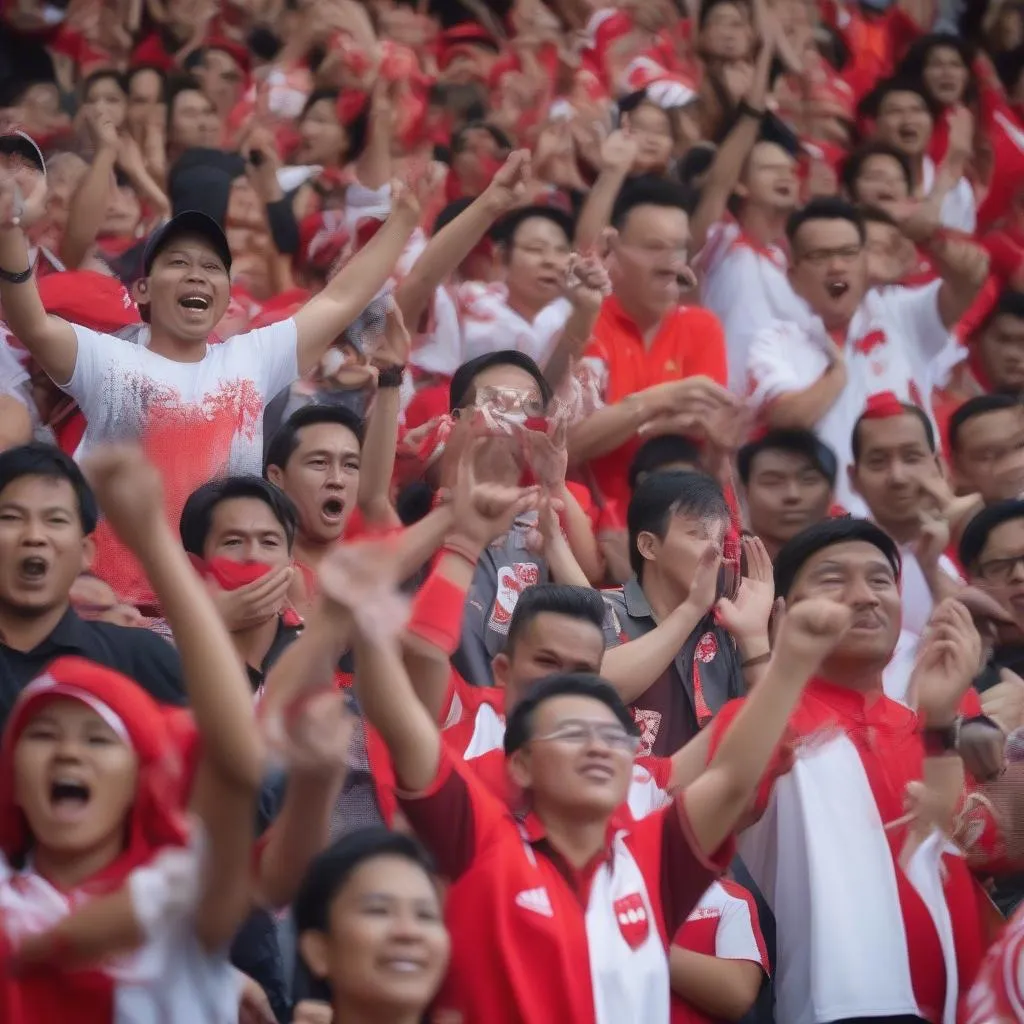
{"points": [[188, 222], [17, 143]]}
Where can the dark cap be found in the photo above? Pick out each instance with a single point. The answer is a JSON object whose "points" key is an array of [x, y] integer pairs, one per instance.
{"points": [[799, 442], [17, 143], [188, 222]]}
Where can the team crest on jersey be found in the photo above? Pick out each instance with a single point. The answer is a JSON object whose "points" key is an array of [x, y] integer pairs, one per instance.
{"points": [[648, 722], [707, 648], [634, 921], [512, 581]]}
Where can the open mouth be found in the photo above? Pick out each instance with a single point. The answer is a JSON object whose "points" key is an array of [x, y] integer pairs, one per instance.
{"points": [[837, 289], [33, 569], [908, 136], [194, 302], [68, 798], [333, 509], [867, 623], [402, 965]]}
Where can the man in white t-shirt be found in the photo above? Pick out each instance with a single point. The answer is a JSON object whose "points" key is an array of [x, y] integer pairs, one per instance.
{"points": [[818, 374], [197, 409]]}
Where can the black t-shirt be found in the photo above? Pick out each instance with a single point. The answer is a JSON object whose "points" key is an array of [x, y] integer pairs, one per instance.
{"points": [[137, 653]]}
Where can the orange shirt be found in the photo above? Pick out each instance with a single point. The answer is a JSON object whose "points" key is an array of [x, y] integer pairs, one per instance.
{"points": [[688, 343]]}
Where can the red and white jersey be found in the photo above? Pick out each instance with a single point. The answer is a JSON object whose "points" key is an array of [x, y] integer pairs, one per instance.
{"points": [[826, 855], [892, 344], [474, 728], [959, 209], [725, 925], [745, 285], [169, 980], [997, 995]]}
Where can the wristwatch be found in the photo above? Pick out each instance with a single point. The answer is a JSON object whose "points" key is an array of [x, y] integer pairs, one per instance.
{"points": [[11, 277], [939, 740]]}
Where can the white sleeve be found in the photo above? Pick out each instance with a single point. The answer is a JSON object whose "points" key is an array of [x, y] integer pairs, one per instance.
{"points": [[13, 375], [738, 936], [959, 209], [103, 360], [778, 363], [914, 314], [361, 202], [268, 355]]}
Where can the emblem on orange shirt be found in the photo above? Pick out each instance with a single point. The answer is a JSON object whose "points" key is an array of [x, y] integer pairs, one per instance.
{"points": [[707, 648], [634, 921]]}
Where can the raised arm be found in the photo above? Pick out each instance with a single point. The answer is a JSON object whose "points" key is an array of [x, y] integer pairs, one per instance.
{"points": [[455, 241], [130, 495], [715, 802], [89, 203], [50, 340], [327, 314]]}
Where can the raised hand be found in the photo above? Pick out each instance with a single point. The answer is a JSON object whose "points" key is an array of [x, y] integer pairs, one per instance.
{"points": [[948, 660], [313, 737], [22, 194], [587, 282], [254, 602], [509, 187], [408, 199], [704, 585], [485, 511], [697, 396], [547, 454], [746, 617], [618, 152], [128, 489], [394, 346], [810, 630], [933, 539], [363, 579]]}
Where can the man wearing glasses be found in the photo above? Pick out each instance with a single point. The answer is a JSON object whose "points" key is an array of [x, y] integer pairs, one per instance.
{"points": [[856, 341]]}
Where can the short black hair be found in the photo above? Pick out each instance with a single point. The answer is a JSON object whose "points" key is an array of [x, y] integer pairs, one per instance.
{"points": [[138, 69], [331, 869], [709, 5], [825, 208], [504, 231], [795, 440], [357, 130], [286, 438], [795, 553], [648, 190], [911, 410], [38, 459], [461, 390], [657, 452], [870, 106], [980, 405], [175, 86], [854, 164], [115, 76], [458, 139], [1009, 303], [661, 496], [582, 603], [450, 212], [980, 526], [570, 684], [197, 515]]}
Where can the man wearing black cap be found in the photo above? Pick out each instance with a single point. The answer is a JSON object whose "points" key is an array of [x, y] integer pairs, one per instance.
{"points": [[787, 477], [198, 410], [855, 905]]}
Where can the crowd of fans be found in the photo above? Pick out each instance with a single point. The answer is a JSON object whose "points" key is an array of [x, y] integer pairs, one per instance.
{"points": [[511, 511]]}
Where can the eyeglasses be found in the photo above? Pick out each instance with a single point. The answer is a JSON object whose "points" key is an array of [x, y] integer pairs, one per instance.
{"points": [[1000, 570], [578, 734]]}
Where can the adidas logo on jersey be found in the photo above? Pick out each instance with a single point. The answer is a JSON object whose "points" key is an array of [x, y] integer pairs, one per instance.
{"points": [[536, 900]]}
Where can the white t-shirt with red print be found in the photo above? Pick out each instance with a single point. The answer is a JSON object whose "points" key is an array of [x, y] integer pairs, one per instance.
{"points": [[195, 421], [894, 343], [745, 285]]}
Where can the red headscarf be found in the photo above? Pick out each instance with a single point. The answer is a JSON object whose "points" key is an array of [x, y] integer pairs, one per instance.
{"points": [[158, 742]]}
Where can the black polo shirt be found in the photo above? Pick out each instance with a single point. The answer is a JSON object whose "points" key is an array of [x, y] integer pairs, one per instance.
{"points": [[137, 653]]}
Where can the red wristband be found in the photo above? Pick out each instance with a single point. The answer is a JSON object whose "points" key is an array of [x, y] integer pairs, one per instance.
{"points": [[437, 613]]}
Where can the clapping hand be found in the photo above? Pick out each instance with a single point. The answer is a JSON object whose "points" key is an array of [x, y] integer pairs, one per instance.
{"points": [[948, 660], [22, 193], [509, 187], [746, 617]]}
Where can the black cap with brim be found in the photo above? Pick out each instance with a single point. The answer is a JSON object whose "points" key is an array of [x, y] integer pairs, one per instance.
{"points": [[17, 143], [800, 442], [188, 222]]}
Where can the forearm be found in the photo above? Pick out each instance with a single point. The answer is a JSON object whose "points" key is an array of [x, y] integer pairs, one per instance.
{"points": [[219, 693], [149, 190], [803, 409], [582, 542], [633, 667], [753, 649], [597, 209], [606, 429], [22, 308], [389, 703], [299, 833], [442, 256], [570, 345], [88, 209], [963, 270], [378, 459], [373, 168], [715, 802], [419, 542], [721, 989], [15, 423], [562, 563]]}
